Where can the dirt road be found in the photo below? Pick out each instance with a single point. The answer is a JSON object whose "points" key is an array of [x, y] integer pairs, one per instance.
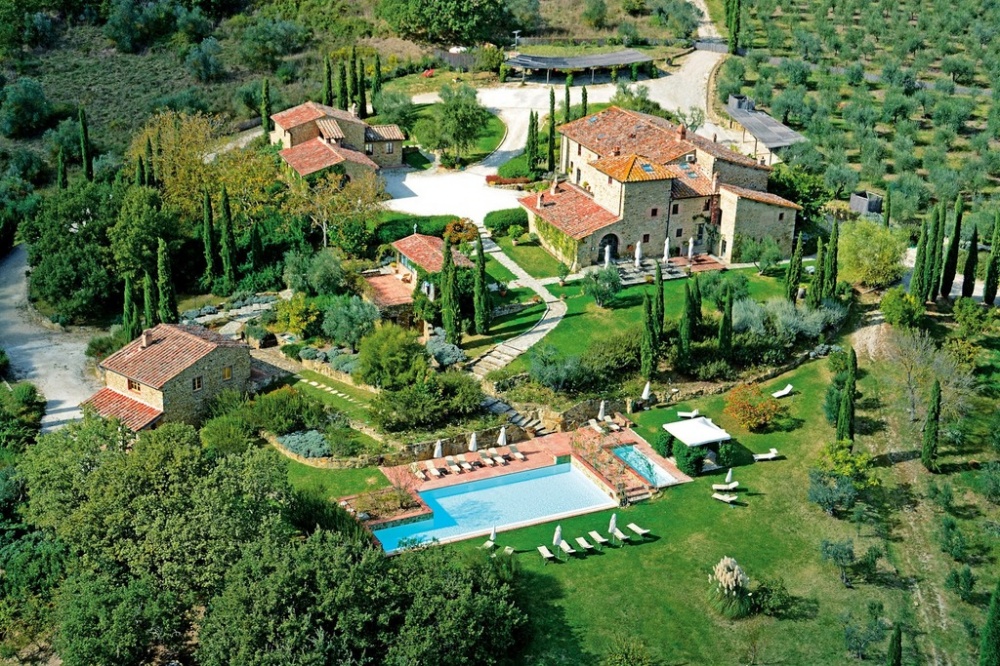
{"points": [[53, 360]]}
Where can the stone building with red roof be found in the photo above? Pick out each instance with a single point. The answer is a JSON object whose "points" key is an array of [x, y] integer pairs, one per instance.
{"points": [[316, 138], [170, 373], [635, 178]]}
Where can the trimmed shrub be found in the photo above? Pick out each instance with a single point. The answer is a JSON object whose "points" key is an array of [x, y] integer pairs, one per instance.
{"points": [[231, 433], [286, 410], [308, 444], [613, 355], [688, 458], [394, 229], [346, 363], [499, 222], [309, 353]]}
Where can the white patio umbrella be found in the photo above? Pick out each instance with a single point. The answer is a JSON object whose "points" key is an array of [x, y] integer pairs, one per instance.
{"points": [[438, 450], [638, 254], [691, 249], [473, 444], [600, 412], [729, 475], [613, 523], [646, 391], [607, 256], [666, 249], [557, 537], [502, 439], [493, 534]]}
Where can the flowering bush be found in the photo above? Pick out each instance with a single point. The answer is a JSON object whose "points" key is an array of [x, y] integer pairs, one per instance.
{"points": [[750, 407], [500, 180], [730, 590]]}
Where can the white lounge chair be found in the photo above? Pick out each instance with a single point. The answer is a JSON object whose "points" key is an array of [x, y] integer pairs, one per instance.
{"points": [[417, 472], [485, 459], [566, 548], [583, 543], [452, 465], [596, 536], [787, 391], [596, 426], [508, 551], [688, 415], [432, 468], [515, 453], [726, 486], [488, 545], [497, 458], [770, 455], [546, 554], [464, 463], [621, 536], [639, 531], [728, 499]]}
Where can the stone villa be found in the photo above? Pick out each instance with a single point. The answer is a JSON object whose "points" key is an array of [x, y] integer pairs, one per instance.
{"points": [[316, 138], [635, 178], [170, 373]]}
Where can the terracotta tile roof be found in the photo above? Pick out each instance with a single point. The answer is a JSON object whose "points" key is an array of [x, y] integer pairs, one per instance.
{"points": [[133, 414], [762, 197], [631, 168], [315, 155], [570, 209], [329, 129], [298, 115], [170, 349], [384, 133], [428, 252], [354, 156], [388, 291], [689, 182], [643, 134]]}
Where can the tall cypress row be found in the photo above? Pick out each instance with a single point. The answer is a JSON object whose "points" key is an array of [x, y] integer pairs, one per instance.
{"points": [[696, 298], [917, 286], [551, 162], [481, 301], [658, 304], [131, 326], [149, 304], [814, 296], [327, 81], [62, 182], [377, 79], [255, 248], [531, 147], [793, 276], [845, 417], [227, 243], [85, 151], [449, 307], [583, 102], [568, 110], [929, 451], [989, 648], [207, 241], [647, 354], [971, 262], [686, 329], [887, 207], [140, 173], [343, 94], [830, 270], [726, 324], [932, 269], [993, 265], [894, 655], [167, 297], [362, 95], [150, 175], [951, 257], [354, 75], [265, 106]]}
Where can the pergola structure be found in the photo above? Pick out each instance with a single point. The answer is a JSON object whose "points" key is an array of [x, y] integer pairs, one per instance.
{"points": [[594, 62], [697, 432]]}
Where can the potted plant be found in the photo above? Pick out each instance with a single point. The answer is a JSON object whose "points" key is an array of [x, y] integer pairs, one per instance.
{"points": [[563, 273], [516, 231], [533, 237], [502, 288]]}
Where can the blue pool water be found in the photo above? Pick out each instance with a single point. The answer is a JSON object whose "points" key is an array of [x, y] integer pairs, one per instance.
{"points": [[647, 469], [470, 509]]}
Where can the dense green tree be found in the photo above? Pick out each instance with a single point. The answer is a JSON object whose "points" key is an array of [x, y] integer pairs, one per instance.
{"points": [[531, 148], [131, 326], [917, 284], [602, 285], [349, 319], [583, 102], [894, 655], [86, 155], [901, 308], [993, 265], [447, 21], [450, 318], [830, 270], [207, 240], [377, 81], [567, 107], [150, 307], [362, 94], [814, 296], [151, 179], [327, 96], [648, 347], [658, 312], [686, 329], [62, 181], [793, 275], [950, 267], [726, 326], [929, 451], [227, 242], [265, 106], [481, 296], [134, 236], [391, 358], [989, 647], [971, 261], [255, 248], [343, 95], [551, 159], [696, 304], [166, 296], [845, 415], [935, 256], [887, 207], [841, 553], [462, 118]]}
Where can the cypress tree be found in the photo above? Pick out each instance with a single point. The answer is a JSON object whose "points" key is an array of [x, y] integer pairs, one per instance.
{"points": [[531, 149], [207, 240], [929, 452], [932, 269], [150, 175], [658, 305], [354, 76], [362, 95], [793, 276], [830, 270], [449, 306], [131, 326], [156, 165], [149, 304], [377, 79], [951, 257], [481, 300], [971, 260], [887, 207], [917, 287], [327, 81], [647, 353], [567, 110], [845, 417], [343, 94], [227, 243], [583, 102], [989, 649], [726, 325], [255, 248], [85, 154], [265, 106], [140, 173], [167, 298], [993, 266], [551, 163], [686, 329], [814, 296], [696, 299], [894, 655], [62, 182]]}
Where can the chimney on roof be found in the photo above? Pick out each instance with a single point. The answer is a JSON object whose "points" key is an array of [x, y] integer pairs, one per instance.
{"points": [[538, 200], [715, 182], [145, 339], [616, 151], [681, 132], [555, 182], [715, 138]]}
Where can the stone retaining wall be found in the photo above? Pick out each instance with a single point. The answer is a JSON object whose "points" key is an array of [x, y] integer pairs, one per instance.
{"points": [[452, 446], [324, 369]]}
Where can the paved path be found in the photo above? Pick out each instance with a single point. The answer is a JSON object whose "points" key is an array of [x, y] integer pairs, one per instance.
{"points": [[52, 360]]}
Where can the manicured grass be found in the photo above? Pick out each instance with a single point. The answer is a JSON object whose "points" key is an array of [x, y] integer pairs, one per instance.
{"points": [[532, 257], [416, 160], [354, 410], [414, 84], [504, 328], [498, 271], [329, 484], [488, 142], [197, 301]]}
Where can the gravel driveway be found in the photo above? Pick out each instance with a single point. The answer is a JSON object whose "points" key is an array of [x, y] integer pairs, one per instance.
{"points": [[53, 360]]}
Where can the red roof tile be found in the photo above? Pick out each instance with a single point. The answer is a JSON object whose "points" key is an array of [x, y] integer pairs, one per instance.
{"points": [[570, 209], [631, 168], [389, 291], [133, 414], [689, 182], [428, 252], [298, 115], [329, 129], [170, 349], [761, 197], [384, 133], [355, 156], [311, 157]]}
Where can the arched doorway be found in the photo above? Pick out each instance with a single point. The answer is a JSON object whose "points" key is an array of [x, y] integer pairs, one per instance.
{"points": [[609, 240]]}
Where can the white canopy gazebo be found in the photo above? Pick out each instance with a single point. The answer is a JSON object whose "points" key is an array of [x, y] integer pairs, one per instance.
{"points": [[697, 432]]}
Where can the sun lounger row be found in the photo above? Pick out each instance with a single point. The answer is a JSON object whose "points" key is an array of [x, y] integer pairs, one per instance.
{"points": [[595, 536], [770, 455], [461, 463]]}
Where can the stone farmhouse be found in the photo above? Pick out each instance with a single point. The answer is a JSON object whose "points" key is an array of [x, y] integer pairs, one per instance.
{"points": [[170, 373], [316, 138], [635, 178]]}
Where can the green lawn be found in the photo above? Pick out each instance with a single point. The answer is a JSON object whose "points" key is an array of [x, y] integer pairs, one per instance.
{"points": [[329, 484], [357, 411], [488, 142], [532, 257], [657, 590], [416, 159], [498, 271], [504, 328]]}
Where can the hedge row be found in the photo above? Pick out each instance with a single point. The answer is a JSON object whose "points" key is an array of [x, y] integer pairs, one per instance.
{"points": [[394, 229], [500, 221]]}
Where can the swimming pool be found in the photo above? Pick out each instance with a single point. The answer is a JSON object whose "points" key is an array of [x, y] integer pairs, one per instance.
{"points": [[470, 509], [646, 468]]}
